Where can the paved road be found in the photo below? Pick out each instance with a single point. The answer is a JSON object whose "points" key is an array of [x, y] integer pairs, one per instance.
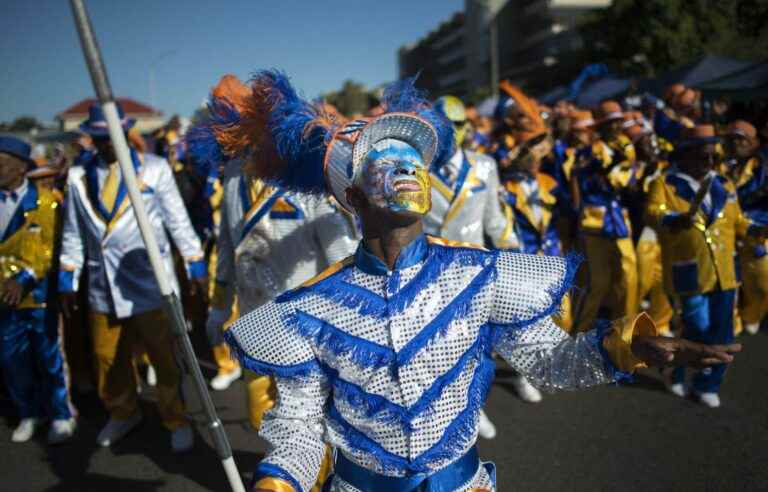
{"points": [[629, 438]]}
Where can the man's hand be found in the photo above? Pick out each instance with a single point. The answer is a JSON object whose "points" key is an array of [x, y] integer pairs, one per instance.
{"points": [[671, 352], [68, 303], [12, 292]]}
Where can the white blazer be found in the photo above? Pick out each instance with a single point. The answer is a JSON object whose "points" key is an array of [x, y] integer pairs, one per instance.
{"points": [[120, 276]]}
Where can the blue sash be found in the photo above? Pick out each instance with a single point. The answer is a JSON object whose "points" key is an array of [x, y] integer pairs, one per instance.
{"points": [[448, 479]]}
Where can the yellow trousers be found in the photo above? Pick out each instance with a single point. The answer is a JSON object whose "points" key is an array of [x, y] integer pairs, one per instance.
{"points": [[612, 266], [113, 344], [651, 284], [754, 287], [221, 353]]}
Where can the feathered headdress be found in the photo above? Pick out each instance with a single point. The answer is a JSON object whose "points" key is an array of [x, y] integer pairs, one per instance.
{"points": [[302, 146], [511, 95]]}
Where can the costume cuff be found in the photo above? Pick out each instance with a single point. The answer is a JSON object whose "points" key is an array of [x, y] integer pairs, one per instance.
{"points": [[26, 278], [197, 269], [272, 477], [617, 342], [67, 281]]}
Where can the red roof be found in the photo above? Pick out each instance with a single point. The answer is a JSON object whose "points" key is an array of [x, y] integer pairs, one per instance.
{"points": [[130, 107]]}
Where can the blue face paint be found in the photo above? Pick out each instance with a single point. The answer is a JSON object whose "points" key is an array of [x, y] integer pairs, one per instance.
{"points": [[394, 177]]}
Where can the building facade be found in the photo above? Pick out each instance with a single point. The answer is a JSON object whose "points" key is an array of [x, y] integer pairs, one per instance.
{"points": [[536, 42], [439, 58], [148, 119]]}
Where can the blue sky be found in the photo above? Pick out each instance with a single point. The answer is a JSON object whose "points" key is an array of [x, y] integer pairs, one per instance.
{"points": [[190, 43]]}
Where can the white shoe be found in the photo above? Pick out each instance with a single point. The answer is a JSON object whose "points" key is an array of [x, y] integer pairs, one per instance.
{"points": [[711, 400], [182, 439], [485, 427], [525, 390], [117, 429], [151, 376], [677, 389], [222, 381], [25, 430], [752, 328], [61, 430]]}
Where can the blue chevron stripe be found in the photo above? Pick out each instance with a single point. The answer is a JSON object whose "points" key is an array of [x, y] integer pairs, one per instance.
{"points": [[455, 438], [361, 351], [384, 410], [335, 288], [458, 308]]}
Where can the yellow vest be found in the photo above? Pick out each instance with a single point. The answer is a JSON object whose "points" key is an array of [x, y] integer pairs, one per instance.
{"points": [[31, 245]]}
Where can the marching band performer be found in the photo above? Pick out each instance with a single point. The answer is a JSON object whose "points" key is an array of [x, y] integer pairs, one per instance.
{"points": [[698, 218], [123, 296], [749, 172], [386, 355], [30, 346], [604, 220]]}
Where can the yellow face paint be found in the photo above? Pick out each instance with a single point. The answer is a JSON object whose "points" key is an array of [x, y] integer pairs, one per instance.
{"points": [[394, 177]]}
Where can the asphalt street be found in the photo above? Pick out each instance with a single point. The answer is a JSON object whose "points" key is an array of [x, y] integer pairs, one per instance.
{"points": [[629, 438]]}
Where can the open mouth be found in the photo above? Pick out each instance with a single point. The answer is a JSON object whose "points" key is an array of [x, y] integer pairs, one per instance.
{"points": [[406, 185]]}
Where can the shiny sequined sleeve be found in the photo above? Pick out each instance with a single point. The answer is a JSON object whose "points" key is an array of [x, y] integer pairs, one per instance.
{"points": [[264, 344], [294, 431], [528, 291]]}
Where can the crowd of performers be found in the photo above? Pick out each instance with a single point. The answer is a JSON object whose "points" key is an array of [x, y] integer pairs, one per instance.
{"points": [[372, 263]]}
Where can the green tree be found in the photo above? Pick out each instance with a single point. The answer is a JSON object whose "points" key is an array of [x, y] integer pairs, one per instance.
{"points": [[645, 37], [353, 98], [24, 124]]}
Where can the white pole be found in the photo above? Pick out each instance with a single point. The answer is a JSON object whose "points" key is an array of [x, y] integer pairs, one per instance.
{"points": [[172, 305]]}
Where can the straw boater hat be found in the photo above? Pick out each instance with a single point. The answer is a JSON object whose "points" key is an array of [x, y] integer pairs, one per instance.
{"points": [[299, 146], [582, 120], [744, 129], [609, 111], [696, 136]]}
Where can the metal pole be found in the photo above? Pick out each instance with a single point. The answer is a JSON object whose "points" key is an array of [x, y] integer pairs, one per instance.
{"points": [[494, 49], [172, 305]]}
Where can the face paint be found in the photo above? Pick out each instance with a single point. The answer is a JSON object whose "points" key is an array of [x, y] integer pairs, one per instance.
{"points": [[394, 177]]}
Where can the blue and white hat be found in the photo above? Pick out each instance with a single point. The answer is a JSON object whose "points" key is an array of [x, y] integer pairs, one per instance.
{"points": [[17, 148], [96, 124]]}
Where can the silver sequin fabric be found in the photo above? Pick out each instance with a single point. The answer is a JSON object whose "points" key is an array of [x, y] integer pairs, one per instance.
{"points": [[392, 369]]}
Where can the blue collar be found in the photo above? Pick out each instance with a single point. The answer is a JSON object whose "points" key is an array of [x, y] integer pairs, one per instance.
{"points": [[28, 202], [412, 254]]}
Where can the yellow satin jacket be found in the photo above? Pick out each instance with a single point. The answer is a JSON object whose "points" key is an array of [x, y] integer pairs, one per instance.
{"points": [[26, 249], [702, 258]]}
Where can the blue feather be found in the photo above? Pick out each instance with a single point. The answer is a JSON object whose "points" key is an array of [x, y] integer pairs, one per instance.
{"points": [[201, 140], [302, 153], [403, 96]]}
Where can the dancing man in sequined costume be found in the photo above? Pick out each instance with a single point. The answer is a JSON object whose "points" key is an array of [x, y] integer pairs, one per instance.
{"points": [[387, 354]]}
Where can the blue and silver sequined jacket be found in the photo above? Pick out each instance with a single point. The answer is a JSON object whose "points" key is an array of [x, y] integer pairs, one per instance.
{"points": [[392, 366]]}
